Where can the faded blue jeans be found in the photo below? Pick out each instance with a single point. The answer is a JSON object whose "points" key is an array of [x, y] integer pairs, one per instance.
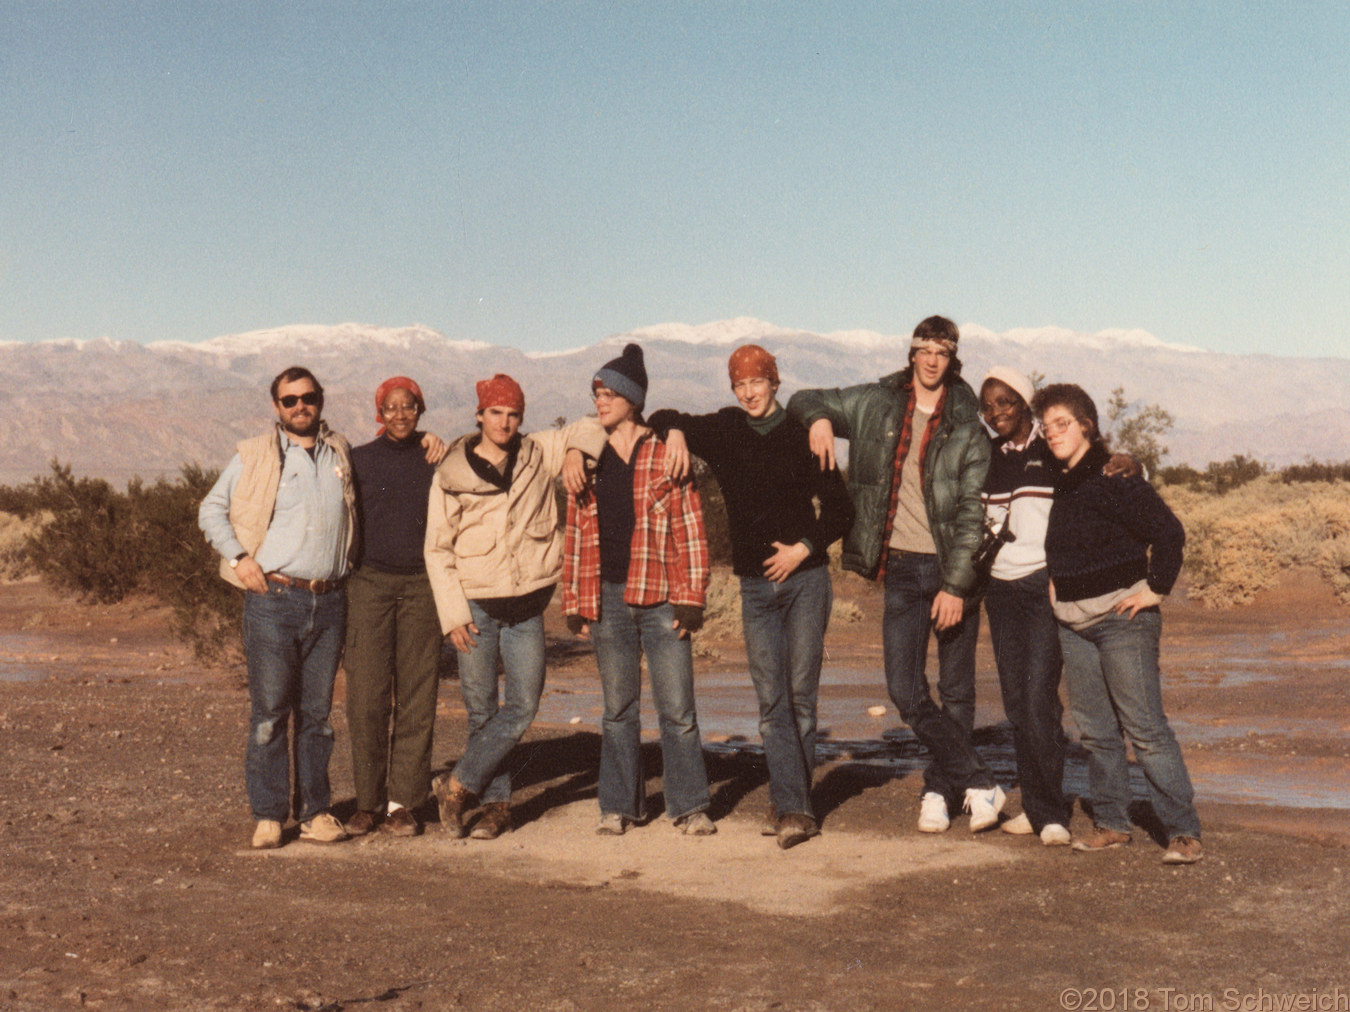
{"points": [[623, 634], [912, 582], [1026, 647], [292, 641], [784, 626], [494, 729], [1111, 669]]}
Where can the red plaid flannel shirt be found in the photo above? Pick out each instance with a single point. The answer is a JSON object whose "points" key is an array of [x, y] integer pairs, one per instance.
{"points": [[668, 560], [901, 450]]}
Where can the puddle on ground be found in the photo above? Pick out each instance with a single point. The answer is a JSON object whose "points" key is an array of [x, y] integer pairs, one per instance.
{"points": [[15, 648], [728, 719]]}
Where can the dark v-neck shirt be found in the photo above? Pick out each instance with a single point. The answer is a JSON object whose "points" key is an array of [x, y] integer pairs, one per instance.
{"points": [[614, 511]]}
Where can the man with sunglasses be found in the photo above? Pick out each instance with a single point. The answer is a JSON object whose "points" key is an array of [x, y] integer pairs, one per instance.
{"points": [[283, 518]]}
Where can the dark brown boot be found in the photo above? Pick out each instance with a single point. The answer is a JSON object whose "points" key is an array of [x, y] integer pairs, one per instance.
{"points": [[452, 798], [495, 820]]}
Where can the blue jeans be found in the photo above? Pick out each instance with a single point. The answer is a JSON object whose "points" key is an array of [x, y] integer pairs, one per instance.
{"points": [[292, 641], [623, 634], [494, 730], [1026, 647], [1111, 669], [912, 582], [784, 625]]}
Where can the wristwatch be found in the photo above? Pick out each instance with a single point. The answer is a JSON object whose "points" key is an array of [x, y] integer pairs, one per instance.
{"points": [[234, 563]]}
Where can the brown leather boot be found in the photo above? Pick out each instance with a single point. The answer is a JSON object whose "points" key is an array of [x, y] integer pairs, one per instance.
{"points": [[495, 820], [452, 798]]}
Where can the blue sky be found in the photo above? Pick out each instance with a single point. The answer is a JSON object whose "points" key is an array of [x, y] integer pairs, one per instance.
{"points": [[542, 175]]}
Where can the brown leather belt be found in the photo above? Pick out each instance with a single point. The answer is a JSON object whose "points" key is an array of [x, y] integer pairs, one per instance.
{"points": [[313, 586]]}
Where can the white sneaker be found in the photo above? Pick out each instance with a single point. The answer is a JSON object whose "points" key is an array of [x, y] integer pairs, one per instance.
{"points": [[611, 824], [933, 813], [1055, 835], [1020, 826], [983, 804]]}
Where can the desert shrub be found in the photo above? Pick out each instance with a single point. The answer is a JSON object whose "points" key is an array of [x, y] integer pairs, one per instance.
{"points": [[15, 532], [845, 612], [714, 515], [103, 544], [1181, 474], [90, 543], [1218, 477], [1313, 470], [183, 567], [1240, 542], [721, 612]]}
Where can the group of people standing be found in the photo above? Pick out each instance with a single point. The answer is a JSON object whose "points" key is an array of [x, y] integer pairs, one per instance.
{"points": [[1071, 550]]}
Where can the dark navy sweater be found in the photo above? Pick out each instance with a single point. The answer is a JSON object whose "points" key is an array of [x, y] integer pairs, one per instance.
{"points": [[1108, 533], [769, 481], [393, 482]]}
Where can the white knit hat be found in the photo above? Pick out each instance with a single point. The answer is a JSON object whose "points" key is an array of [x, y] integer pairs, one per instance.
{"points": [[1012, 379]]}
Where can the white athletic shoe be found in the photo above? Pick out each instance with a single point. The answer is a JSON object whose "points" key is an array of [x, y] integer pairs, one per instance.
{"points": [[933, 813], [1020, 826], [983, 804], [1055, 835]]}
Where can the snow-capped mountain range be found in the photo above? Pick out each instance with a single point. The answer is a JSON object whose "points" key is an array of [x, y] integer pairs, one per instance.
{"points": [[116, 409]]}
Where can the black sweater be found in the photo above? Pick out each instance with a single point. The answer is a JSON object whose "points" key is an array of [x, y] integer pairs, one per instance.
{"points": [[768, 482], [393, 482], [1108, 533]]}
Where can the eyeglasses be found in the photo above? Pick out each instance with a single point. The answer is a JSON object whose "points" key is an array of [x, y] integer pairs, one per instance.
{"points": [[1058, 425], [311, 398], [604, 395], [393, 410]]}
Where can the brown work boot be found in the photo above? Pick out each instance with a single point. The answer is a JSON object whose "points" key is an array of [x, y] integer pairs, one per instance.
{"points": [[401, 822], [452, 798], [795, 828], [769, 827], [495, 820], [361, 823], [1101, 838]]}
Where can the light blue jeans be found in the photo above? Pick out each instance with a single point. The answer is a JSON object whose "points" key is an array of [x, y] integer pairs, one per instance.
{"points": [[494, 729], [292, 641], [1111, 670], [623, 634], [784, 627]]}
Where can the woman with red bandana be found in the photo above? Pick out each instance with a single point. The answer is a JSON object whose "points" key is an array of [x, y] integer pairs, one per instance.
{"points": [[393, 638]]}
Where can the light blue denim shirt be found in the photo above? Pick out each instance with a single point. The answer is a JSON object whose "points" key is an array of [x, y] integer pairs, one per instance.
{"points": [[307, 538]]}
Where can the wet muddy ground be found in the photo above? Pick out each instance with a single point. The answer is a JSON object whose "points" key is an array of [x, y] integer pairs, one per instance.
{"points": [[127, 882]]}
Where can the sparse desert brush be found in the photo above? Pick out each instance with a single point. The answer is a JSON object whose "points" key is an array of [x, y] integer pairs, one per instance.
{"points": [[103, 544], [1240, 542], [721, 613], [846, 612], [15, 533]]}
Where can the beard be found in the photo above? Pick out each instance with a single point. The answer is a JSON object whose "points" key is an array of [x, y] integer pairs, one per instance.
{"points": [[302, 425]]}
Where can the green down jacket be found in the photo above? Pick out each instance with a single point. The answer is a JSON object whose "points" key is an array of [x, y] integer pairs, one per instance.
{"points": [[870, 417]]}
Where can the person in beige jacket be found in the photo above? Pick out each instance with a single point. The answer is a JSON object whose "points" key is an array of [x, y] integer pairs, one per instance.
{"points": [[494, 555]]}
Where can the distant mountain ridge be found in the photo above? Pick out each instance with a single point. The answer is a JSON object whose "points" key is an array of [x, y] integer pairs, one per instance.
{"points": [[116, 409]]}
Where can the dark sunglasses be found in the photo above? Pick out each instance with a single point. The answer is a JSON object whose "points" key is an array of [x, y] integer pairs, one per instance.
{"points": [[291, 400]]}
